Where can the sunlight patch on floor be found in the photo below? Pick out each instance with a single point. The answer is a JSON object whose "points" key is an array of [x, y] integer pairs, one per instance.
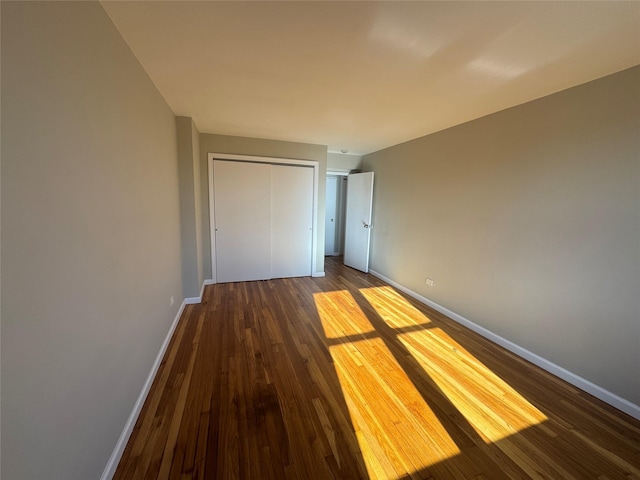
{"points": [[397, 430], [342, 304], [393, 308], [491, 406]]}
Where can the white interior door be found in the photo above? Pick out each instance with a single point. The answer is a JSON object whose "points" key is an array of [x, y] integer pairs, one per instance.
{"points": [[242, 220], [291, 220], [331, 216], [358, 221]]}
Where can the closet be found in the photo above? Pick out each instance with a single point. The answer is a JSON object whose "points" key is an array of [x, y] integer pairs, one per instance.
{"points": [[263, 220]]}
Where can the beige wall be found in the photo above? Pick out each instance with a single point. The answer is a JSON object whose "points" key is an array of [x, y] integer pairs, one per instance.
{"points": [[211, 143], [90, 237], [199, 196], [343, 162], [190, 205], [528, 220]]}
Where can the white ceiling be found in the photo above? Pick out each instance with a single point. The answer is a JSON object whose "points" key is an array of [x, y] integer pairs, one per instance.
{"points": [[367, 75]]}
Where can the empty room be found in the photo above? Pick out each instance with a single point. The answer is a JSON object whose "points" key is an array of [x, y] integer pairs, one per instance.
{"points": [[320, 240]]}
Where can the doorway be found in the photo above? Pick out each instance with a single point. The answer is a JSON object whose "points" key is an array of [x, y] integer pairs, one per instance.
{"points": [[335, 210]]}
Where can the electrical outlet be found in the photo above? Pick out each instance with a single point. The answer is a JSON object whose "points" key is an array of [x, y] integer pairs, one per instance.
{"points": [[429, 282], [171, 301]]}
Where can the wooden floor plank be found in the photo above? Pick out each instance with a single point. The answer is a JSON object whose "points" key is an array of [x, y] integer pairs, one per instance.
{"points": [[344, 377]]}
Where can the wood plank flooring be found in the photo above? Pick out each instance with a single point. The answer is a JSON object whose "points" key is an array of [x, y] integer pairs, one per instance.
{"points": [[343, 377]]}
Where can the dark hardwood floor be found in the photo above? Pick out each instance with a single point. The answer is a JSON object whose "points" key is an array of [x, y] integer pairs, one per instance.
{"points": [[343, 377]]}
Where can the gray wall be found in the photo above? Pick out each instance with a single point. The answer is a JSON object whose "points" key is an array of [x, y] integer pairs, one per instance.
{"points": [[528, 220], [190, 205], [343, 162], [90, 237], [211, 143]]}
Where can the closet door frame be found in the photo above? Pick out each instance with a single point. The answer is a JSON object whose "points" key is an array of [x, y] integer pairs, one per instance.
{"points": [[271, 160]]}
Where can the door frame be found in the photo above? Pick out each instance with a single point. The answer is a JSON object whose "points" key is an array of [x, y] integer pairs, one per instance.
{"points": [[341, 208], [272, 160], [327, 215]]}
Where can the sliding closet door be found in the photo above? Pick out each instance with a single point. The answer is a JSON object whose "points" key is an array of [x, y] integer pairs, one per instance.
{"points": [[242, 220], [291, 220]]}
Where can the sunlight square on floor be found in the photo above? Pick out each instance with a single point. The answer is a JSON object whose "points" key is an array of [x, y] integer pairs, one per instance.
{"points": [[397, 430], [492, 407]]}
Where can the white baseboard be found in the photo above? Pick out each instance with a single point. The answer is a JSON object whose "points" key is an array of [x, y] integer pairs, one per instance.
{"points": [[576, 380], [194, 300], [318, 274], [112, 464]]}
